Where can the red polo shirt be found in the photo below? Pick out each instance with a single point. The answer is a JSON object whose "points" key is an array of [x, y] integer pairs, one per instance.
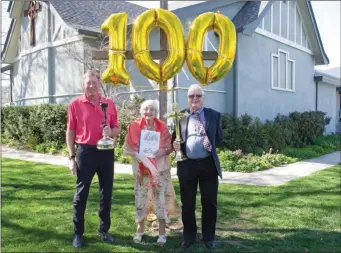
{"points": [[85, 118]]}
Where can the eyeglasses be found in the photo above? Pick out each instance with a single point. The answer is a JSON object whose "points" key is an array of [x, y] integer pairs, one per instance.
{"points": [[192, 96]]}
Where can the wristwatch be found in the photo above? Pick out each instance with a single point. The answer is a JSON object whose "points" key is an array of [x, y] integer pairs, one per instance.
{"points": [[72, 157]]}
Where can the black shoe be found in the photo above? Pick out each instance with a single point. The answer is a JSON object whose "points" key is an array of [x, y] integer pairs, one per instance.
{"points": [[78, 241], [106, 237], [210, 244], [187, 244]]}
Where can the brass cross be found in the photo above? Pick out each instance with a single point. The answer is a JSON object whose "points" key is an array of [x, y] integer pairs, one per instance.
{"points": [[176, 115], [31, 13]]}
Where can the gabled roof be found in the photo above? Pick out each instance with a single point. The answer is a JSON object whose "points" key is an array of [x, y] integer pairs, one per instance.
{"points": [[90, 14], [9, 34], [247, 14], [321, 57]]}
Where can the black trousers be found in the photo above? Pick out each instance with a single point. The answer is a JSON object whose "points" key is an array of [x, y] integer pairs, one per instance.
{"points": [[190, 173], [89, 161]]}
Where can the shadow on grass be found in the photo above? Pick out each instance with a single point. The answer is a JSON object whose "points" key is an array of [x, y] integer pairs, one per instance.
{"points": [[38, 187], [37, 234], [293, 240], [279, 240]]}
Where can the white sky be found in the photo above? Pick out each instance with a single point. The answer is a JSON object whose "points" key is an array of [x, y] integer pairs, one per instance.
{"points": [[327, 14]]}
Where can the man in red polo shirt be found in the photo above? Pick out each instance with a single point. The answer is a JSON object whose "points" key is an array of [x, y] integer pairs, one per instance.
{"points": [[84, 128]]}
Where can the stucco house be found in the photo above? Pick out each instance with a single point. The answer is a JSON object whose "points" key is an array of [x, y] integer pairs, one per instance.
{"points": [[278, 47]]}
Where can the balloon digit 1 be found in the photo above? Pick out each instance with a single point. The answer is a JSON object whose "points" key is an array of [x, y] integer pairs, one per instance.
{"points": [[116, 28]]}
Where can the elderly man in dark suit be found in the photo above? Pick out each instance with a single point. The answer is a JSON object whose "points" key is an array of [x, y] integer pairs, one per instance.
{"points": [[200, 134]]}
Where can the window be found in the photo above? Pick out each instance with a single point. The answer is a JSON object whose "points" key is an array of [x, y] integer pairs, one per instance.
{"points": [[298, 28], [292, 20], [284, 20], [282, 71], [53, 24], [276, 18], [19, 45]]}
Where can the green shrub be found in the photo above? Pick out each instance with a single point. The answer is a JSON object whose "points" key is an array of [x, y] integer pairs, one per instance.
{"points": [[252, 136], [239, 162], [300, 153], [332, 141], [51, 147], [48, 122], [65, 151], [16, 123], [128, 111], [320, 145], [120, 156]]}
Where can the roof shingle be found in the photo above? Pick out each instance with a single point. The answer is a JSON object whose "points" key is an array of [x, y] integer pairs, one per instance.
{"points": [[89, 15], [247, 14]]}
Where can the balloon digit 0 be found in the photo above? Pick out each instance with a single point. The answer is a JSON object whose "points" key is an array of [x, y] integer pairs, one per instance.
{"points": [[172, 27], [227, 47]]}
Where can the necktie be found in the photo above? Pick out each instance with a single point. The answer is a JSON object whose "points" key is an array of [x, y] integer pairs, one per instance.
{"points": [[202, 132]]}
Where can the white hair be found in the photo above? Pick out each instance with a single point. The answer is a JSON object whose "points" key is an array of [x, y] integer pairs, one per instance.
{"points": [[92, 72], [193, 86], [154, 104]]}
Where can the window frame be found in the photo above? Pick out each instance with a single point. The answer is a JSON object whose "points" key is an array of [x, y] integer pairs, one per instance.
{"points": [[293, 74]]}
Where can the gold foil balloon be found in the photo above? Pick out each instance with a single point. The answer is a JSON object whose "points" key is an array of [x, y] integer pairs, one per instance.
{"points": [[116, 28], [172, 27], [227, 47]]}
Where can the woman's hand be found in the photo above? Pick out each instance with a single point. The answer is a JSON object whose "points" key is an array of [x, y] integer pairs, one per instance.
{"points": [[139, 178], [137, 157], [161, 152]]}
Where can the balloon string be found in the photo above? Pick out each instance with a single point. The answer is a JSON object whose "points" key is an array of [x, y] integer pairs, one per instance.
{"points": [[219, 54], [119, 52], [142, 51], [147, 50], [123, 53]]}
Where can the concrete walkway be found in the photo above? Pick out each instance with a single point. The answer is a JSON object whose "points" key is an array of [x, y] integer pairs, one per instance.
{"points": [[271, 177]]}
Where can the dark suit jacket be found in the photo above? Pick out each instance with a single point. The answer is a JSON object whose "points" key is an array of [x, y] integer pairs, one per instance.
{"points": [[213, 130]]}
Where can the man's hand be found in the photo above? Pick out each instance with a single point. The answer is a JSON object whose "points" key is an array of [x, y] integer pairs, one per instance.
{"points": [[106, 131], [73, 166], [176, 146]]}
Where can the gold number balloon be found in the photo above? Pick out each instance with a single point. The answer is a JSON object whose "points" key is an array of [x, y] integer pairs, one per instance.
{"points": [[116, 28], [172, 27], [227, 47]]}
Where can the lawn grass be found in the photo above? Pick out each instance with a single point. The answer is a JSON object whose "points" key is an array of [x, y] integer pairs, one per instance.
{"points": [[301, 216]]}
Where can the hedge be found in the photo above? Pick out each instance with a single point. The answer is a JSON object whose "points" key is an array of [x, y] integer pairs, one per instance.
{"points": [[40, 124], [252, 136]]}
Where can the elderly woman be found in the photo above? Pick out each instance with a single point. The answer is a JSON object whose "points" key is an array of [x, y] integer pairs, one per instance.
{"points": [[152, 175]]}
